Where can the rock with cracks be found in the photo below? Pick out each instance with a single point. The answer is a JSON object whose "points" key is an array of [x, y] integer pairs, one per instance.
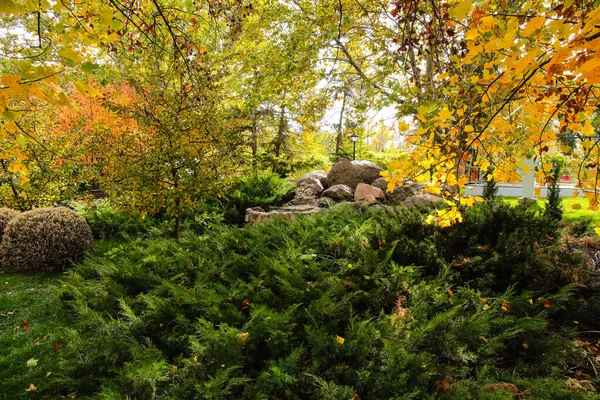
{"points": [[254, 215], [339, 193], [309, 187], [343, 172], [321, 176]]}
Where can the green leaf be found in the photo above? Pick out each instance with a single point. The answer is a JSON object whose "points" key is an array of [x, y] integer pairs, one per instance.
{"points": [[84, 89], [69, 55], [9, 115], [89, 67], [31, 5]]}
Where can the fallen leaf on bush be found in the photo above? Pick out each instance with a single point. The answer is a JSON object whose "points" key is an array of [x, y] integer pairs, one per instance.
{"points": [[32, 362], [505, 306], [32, 388], [40, 340], [340, 339], [48, 374], [57, 346], [9, 293], [486, 307], [579, 385], [450, 292], [484, 299], [526, 346], [242, 337], [530, 301], [442, 386], [195, 359], [546, 302]]}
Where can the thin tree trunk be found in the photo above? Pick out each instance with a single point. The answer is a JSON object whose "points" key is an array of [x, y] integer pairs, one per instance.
{"points": [[280, 140], [338, 141], [254, 143], [177, 230]]}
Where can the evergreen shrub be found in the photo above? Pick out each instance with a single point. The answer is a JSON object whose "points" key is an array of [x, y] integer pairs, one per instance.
{"points": [[45, 239], [107, 221], [554, 207], [347, 304], [262, 189]]}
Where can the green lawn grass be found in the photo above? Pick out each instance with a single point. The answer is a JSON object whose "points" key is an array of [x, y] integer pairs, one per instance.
{"points": [[31, 324], [570, 214]]}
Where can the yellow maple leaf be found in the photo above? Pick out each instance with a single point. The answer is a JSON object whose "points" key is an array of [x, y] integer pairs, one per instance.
{"points": [[533, 26], [444, 114], [588, 129], [422, 110], [461, 10], [403, 126]]}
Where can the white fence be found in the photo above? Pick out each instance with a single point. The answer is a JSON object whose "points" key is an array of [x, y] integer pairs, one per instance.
{"points": [[516, 190]]}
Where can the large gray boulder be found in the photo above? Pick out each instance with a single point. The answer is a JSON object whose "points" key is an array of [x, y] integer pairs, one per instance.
{"points": [[309, 187], [367, 194], [317, 174], [339, 192], [400, 193], [343, 172], [368, 171], [422, 200], [415, 186], [380, 183]]}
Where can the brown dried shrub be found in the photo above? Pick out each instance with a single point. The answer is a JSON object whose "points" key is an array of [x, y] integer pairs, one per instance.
{"points": [[6, 214], [45, 239]]}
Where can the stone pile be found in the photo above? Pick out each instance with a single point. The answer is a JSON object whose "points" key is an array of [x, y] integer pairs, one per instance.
{"points": [[358, 180]]}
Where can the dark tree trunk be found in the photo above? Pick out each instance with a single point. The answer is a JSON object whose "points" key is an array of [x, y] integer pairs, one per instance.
{"points": [[280, 139]]}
